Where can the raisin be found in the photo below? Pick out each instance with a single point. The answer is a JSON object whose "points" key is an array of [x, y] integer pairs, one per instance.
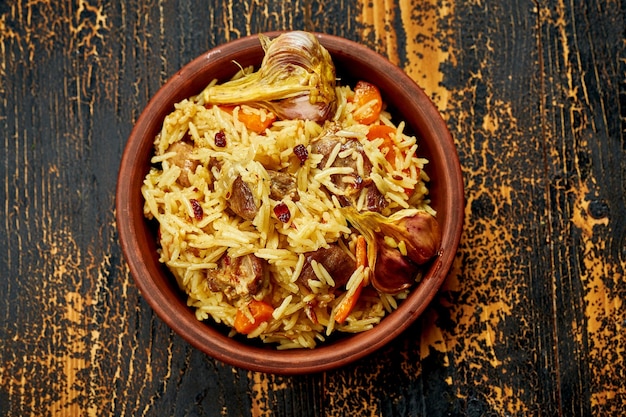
{"points": [[301, 153], [282, 212], [220, 139], [198, 213]]}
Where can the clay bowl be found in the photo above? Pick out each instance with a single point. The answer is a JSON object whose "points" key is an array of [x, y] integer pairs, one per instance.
{"points": [[138, 236]]}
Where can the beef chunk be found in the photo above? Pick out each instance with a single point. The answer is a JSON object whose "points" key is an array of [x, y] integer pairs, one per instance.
{"points": [[338, 263], [282, 185], [324, 146], [183, 160], [241, 276], [242, 201]]}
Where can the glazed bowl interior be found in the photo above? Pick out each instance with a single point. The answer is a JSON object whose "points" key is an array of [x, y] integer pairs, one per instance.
{"points": [[138, 236]]}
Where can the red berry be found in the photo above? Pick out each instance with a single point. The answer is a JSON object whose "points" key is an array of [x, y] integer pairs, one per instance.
{"points": [[198, 213], [282, 212], [301, 153], [220, 139]]}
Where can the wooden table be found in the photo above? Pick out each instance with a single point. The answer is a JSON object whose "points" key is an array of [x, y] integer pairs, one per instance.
{"points": [[532, 317]]}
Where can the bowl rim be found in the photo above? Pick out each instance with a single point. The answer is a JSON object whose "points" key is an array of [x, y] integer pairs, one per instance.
{"points": [[202, 335]]}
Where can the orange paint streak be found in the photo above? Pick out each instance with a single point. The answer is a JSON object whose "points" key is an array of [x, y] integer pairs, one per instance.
{"points": [[424, 50], [604, 309]]}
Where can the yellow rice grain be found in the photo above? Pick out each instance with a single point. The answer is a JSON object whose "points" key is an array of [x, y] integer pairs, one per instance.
{"points": [[278, 312], [322, 274], [298, 268], [332, 157]]}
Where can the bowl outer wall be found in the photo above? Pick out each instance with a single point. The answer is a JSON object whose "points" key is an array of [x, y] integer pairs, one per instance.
{"points": [[158, 287]]}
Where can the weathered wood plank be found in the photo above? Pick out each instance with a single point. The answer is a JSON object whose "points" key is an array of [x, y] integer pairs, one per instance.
{"points": [[531, 318], [589, 284]]}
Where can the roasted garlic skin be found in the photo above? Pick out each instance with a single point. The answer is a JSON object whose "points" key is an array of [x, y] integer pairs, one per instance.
{"points": [[421, 239], [416, 237], [296, 80], [393, 272], [420, 233]]}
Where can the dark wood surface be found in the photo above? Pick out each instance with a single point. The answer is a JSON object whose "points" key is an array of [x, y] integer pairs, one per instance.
{"points": [[532, 317]]}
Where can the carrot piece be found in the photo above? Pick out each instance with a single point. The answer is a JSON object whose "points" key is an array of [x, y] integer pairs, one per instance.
{"points": [[260, 310], [384, 132], [349, 301], [380, 131], [369, 102], [361, 251], [252, 121]]}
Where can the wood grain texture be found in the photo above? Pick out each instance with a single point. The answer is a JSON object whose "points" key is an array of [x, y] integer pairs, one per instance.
{"points": [[531, 320]]}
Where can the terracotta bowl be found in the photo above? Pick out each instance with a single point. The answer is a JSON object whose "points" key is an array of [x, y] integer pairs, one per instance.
{"points": [[138, 236]]}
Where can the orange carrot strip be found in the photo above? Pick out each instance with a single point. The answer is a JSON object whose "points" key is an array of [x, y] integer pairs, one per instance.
{"points": [[369, 102], [361, 251], [384, 132], [380, 131], [348, 303], [252, 121], [260, 310]]}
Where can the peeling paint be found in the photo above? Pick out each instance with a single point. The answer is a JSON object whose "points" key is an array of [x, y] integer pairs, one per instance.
{"points": [[604, 309], [412, 35]]}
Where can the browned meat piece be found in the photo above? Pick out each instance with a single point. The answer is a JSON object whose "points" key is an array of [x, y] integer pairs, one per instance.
{"points": [[240, 276], [374, 199], [282, 184], [339, 265], [215, 163], [183, 160], [393, 272], [242, 201], [324, 146]]}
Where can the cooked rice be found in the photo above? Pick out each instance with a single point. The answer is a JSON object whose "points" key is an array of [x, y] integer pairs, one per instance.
{"points": [[190, 247]]}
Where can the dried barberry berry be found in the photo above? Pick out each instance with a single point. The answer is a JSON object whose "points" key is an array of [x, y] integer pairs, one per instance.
{"points": [[301, 152], [282, 212], [198, 213], [220, 139]]}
